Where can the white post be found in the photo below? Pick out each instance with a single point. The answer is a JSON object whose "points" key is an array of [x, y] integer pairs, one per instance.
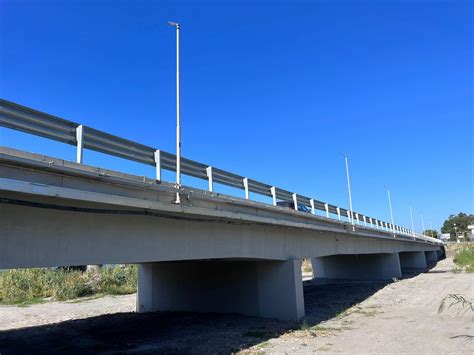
{"points": [[357, 218], [295, 202], [178, 120], [391, 212], [370, 220], [412, 224], [246, 187], [80, 144], [365, 220], [209, 178], [311, 202], [326, 206], [349, 189], [338, 213], [158, 164], [274, 195]]}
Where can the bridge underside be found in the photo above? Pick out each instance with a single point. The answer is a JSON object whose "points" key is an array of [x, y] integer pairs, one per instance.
{"points": [[211, 253], [32, 236], [203, 266]]}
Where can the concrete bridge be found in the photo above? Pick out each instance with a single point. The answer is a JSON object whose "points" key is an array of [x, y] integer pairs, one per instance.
{"points": [[210, 253]]}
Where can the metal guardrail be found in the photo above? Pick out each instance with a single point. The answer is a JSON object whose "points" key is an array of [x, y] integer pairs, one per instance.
{"points": [[21, 118]]}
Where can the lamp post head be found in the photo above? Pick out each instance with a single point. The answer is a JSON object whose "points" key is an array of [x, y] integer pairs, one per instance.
{"points": [[174, 24]]}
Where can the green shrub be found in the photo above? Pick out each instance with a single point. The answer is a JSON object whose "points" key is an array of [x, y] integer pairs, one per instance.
{"points": [[465, 258], [26, 285]]}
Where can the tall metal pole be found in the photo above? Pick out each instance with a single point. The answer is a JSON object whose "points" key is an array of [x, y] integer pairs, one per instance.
{"points": [[349, 189], [391, 212], [422, 224], [178, 119], [412, 224]]}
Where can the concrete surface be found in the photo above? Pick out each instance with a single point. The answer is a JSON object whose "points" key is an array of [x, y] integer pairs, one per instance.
{"points": [[360, 266], [272, 289], [413, 260]]}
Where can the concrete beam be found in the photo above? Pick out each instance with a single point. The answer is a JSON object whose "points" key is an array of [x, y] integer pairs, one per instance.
{"points": [[431, 257], [270, 289], [412, 260], [357, 266]]}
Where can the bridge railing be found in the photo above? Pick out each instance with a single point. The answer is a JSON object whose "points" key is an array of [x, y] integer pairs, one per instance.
{"points": [[21, 118]]}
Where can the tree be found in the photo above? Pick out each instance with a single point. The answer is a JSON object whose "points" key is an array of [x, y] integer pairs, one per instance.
{"points": [[462, 220], [431, 233]]}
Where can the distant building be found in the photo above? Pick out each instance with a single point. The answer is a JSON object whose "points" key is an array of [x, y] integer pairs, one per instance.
{"points": [[470, 228], [445, 237]]}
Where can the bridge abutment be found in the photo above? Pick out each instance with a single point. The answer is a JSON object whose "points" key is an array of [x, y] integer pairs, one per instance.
{"points": [[270, 289], [413, 260], [357, 266]]}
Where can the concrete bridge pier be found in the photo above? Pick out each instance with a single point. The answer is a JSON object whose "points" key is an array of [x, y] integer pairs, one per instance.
{"points": [[270, 289], [413, 260], [431, 257], [357, 266]]}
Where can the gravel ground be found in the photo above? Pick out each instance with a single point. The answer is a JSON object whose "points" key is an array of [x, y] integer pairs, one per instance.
{"points": [[341, 317]]}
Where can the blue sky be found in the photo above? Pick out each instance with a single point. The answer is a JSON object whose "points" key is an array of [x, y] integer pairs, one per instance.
{"points": [[275, 91]]}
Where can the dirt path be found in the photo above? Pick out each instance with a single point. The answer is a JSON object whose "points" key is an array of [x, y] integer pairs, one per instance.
{"points": [[342, 317], [400, 318]]}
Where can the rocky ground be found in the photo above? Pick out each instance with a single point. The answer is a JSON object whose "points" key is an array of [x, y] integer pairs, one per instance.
{"points": [[341, 317]]}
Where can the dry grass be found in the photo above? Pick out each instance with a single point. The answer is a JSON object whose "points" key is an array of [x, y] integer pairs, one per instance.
{"points": [[26, 286]]}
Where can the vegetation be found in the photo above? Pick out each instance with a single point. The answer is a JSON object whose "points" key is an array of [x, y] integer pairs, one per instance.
{"points": [[462, 220], [431, 233], [458, 301], [464, 259], [25, 286]]}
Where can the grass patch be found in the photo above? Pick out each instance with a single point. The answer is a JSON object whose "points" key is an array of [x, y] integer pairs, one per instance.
{"points": [[29, 286], [464, 259]]}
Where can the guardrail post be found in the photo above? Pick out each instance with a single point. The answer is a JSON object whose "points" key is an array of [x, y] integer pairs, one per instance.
{"points": [[365, 221], [209, 177], [376, 223], [274, 195], [370, 220], [311, 202], [349, 216], [326, 206], [338, 213], [80, 144], [246, 188], [295, 202], [357, 217], [158, 164]]}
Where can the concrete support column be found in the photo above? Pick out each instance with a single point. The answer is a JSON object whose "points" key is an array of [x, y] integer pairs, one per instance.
{"points": [[413, 260], [270, 289], [357, 266], [431, 257]]}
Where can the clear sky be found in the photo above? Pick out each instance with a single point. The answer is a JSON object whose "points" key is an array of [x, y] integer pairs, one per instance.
{"points": [[275, 91]]}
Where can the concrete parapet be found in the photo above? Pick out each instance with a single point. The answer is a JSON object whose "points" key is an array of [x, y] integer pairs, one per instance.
{"points": [[357, 266], [270, 289]]}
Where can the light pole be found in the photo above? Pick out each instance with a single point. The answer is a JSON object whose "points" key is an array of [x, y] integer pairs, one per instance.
{"points": [[391, 212], [412, 224], [349, 190], [422, 224], [178, 120]]}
